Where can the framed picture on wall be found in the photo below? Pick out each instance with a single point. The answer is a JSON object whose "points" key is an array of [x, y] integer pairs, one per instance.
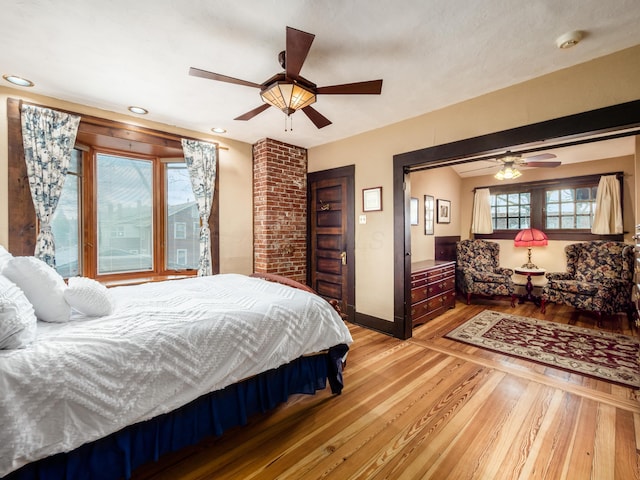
{"points": [[414, 211], [443, 208], [428, 214], [372, 199]]}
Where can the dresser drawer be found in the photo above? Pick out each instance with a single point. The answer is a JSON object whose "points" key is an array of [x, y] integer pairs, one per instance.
{"points": [[418, 294], [440, 286], [440, 273]]}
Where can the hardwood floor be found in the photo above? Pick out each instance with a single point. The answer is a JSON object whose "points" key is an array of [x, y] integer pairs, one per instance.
{"points": [[434, 408]]}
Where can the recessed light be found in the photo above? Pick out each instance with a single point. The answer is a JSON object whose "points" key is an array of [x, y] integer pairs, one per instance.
{"points": [[138, 110], [218, 130], [21, 82], [569, 39]]}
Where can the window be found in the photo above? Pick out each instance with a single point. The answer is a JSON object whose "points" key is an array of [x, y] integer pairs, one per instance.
{"points": [[562, 208], [125, 203], [66, 221], [570, 208], [127, 242], [511, 211], [182, 210], [180, 231], [181, 256]]}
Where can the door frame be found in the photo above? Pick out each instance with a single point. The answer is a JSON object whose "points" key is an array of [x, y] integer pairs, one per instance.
{"points": [[347, 172], [572, 127]]}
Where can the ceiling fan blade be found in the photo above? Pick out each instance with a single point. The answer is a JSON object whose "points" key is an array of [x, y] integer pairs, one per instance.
{"points": [[371, 87], [541, 164], [298, 45], [252, 113], [316, 117], [540, 156], [196, 72]]}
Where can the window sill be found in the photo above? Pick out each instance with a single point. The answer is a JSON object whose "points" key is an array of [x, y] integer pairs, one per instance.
{"points": [[121, 282]]}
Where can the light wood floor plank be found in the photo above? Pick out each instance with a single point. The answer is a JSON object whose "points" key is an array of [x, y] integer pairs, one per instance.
{"points": [[433, 408]]}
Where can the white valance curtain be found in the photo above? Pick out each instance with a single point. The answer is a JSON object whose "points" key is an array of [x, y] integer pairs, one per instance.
{"points": [[608, 215], [201, 159], [48, 137], [481, 221]]}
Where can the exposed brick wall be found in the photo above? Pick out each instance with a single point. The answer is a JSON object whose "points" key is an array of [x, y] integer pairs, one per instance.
{"points": [[280, 209]]}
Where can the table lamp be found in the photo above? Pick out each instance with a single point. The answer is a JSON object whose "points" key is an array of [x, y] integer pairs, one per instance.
{"points": [[530, 237]]}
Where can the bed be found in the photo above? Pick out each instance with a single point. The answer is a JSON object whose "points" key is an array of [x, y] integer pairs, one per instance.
{"points": [[174, 362]]}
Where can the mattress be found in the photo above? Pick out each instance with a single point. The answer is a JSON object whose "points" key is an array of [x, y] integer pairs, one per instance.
{"points": [[166, 344]]}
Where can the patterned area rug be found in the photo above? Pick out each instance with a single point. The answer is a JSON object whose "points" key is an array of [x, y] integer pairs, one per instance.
{"points": [[607, 356]]}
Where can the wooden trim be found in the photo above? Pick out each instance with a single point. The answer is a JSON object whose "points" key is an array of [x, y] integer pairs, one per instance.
{"points": [[136, 133], [607, 119]]}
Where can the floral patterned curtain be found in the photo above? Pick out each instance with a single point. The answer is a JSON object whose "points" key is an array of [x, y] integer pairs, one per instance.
{"points": [[202, 159], [48, 137]]}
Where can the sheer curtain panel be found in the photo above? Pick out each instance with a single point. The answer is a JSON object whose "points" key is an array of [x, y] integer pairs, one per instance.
{"points": [[608, 215], [481, 221]]}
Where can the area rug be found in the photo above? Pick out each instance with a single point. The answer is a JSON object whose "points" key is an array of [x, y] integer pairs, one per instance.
{"points": [[607, 356]]}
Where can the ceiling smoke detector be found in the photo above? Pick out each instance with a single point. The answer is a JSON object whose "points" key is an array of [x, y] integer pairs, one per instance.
{"points": [[569, 39]]}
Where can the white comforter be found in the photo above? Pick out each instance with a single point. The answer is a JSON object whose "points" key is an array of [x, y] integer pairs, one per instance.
{"points": [[166, 344]]}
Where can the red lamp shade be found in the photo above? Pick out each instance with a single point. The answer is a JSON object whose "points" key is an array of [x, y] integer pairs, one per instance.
{"points": [[530, 237]]}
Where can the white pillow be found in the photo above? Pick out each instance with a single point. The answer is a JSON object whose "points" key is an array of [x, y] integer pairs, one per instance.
{"points": [[17, 319], [42, 285], [89, 296], [5, 256]]}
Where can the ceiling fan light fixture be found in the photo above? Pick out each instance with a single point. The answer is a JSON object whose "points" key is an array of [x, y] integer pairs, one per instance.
{"points": [[508, 172], [288, 96]]}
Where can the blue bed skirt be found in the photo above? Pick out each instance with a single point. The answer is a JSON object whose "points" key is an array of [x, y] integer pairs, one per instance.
{"points": [[117, 455]]}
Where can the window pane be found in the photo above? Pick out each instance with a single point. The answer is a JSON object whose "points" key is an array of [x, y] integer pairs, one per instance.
{"points": [[511, 211], [65, 223], [553, 196], [125, 214], [553, 222], [183, 244]]}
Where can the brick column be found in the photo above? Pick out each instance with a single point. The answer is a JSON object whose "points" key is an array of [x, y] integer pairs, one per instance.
{"points": [[280, 209]]}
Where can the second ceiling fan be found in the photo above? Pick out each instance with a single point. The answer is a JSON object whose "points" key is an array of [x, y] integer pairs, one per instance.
{"points": [[288, 90]]}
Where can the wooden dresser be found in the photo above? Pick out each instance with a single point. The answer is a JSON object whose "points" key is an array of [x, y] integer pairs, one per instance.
{"points": [[433, 289]]}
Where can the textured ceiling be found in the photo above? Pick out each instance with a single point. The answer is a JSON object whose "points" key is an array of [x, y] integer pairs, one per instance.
{"points": [[430, 54]]}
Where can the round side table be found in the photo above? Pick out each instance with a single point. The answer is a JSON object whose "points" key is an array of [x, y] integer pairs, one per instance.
{"points": [[529, 272]]}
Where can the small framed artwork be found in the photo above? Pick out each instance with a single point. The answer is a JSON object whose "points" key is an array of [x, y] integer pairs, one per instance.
{"points": [[428, 214], [372, 199], [443, 207], [414, 211]]}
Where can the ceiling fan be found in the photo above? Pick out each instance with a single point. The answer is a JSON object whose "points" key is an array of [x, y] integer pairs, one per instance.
{"points": [[289, 91], [509, 161]]}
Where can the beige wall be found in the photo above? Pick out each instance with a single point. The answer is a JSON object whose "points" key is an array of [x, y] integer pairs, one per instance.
{"points": [[235, 173], [603, 82], [441, 183]]}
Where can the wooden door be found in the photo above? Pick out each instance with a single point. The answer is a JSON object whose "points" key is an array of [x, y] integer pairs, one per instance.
{"points": [[331, 243]]}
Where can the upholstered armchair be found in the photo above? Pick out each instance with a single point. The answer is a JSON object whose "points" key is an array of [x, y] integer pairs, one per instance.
{"points": [[599, 279], [478, 271]]}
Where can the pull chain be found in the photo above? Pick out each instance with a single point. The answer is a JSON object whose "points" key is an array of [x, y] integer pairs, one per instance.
{"points": [[290, 123]]}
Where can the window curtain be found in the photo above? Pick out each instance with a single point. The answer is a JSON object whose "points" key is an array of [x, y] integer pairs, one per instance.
{"points": [[481, 221], [201, 159], [608, 216], [48, 137]]}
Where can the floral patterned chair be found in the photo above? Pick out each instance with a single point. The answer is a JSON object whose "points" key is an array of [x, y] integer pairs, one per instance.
{"points": [[599, 279], [477, 270]]}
